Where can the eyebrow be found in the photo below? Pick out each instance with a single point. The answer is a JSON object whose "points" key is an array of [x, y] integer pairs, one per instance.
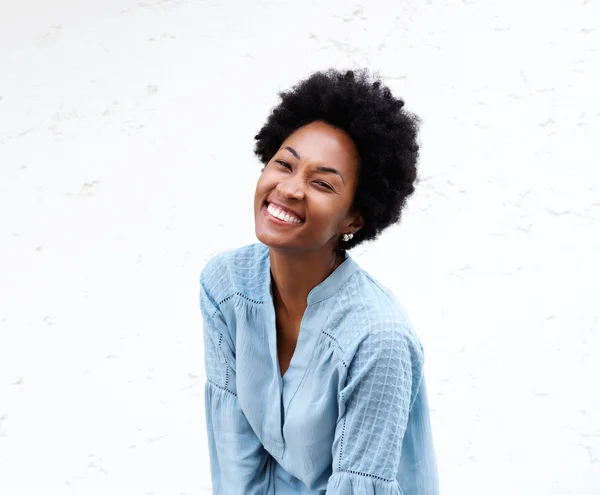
{"points": [[320, 169], [331, 170], [293, 152]]}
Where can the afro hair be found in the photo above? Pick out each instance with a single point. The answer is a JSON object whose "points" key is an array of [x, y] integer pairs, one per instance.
{"points": [[384, 133]]}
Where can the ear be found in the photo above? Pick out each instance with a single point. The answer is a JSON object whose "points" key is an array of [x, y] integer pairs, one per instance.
{"points": [[356, 223]]}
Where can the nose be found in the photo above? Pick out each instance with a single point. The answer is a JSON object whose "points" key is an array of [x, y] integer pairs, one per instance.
{"points": [[290, 188]]}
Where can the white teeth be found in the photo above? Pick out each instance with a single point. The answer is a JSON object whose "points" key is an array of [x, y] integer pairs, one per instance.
{"points": [[277, 213]]}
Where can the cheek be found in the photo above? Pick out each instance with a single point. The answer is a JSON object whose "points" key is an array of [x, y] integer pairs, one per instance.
{"points": [[266, 176], [261, 183], [328, 210]]}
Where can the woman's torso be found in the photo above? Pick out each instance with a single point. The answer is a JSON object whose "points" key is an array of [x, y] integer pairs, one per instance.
{"points": [[295, 416]]}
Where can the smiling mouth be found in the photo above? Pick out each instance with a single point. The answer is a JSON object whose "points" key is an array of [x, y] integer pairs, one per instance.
{"points": [[277, 213]]}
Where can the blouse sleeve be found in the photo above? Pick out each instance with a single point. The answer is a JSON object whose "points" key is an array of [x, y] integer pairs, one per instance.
{"points": [[368, 453], [239, 463]]}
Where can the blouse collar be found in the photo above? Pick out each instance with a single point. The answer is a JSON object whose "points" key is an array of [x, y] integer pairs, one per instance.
{"points": [[328, 287]]}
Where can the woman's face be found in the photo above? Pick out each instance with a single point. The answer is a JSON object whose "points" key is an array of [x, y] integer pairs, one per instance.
{"points": [[312, 178]]}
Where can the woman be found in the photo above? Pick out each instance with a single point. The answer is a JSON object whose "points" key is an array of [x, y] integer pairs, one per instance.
{"points": [[314, 373]]}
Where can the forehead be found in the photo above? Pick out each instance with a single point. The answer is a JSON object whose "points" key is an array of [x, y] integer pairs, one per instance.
{"points": [[325, 144]]}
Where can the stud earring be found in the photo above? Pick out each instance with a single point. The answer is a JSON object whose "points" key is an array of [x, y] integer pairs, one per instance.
{"points": [[347, 237]]}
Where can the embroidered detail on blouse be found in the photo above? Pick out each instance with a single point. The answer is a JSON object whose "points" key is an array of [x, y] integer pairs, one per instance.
{"points": [[365, 474], [221, 388], [241, 295]]}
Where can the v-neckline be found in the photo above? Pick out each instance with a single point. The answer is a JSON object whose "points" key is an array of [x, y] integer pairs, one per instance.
{"points": [[321, 291], [296, 346], [283, 389]]}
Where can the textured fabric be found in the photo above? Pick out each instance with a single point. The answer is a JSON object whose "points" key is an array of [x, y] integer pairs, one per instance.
{"points": [[350, 415]]}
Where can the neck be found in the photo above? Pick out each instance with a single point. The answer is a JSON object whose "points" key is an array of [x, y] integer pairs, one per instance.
{"points": [[295, 275]]}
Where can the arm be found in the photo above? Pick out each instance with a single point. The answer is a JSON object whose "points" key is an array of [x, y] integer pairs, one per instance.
{"points": [[239, 463], [418, 474], [369, 457]]}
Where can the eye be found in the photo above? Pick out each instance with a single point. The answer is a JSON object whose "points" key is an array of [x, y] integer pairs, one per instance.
{"points": [[324, 184], [285, 164]]}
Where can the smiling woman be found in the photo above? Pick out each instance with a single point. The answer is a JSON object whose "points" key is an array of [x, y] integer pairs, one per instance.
{"points": [[314, 372], [313, 176]]}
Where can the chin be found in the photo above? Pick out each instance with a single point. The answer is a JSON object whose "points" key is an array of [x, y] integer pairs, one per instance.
{"points": [[270, 240], [275, 241]]}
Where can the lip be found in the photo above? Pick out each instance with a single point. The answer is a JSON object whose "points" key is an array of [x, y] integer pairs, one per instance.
{"points": [[284, 209], [276, 220]]}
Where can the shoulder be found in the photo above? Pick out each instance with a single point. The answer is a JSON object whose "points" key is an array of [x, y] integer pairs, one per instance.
{"points": [[374, 323], [235, 270]]}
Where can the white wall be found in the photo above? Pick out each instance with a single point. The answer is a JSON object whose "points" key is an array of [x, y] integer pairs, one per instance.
{"points": [[126, 134]]}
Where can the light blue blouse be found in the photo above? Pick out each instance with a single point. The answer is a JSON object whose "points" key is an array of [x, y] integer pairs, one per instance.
{"points": [[349, 416]]}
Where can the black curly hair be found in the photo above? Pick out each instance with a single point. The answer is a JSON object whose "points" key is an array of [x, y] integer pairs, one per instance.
{"points": [[384, 133]]}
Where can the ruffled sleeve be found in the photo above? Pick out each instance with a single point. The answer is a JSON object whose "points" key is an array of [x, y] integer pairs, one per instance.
{"points": [[351, 483], [239, 463]]}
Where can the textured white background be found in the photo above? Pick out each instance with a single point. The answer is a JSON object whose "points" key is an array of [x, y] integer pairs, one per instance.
{"points": [[126, 134]]}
